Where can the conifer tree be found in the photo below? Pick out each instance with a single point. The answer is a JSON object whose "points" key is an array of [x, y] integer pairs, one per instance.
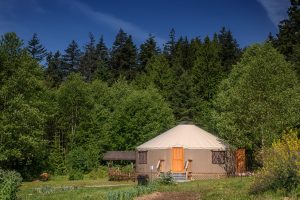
{"points": [[206, 75], [71, 58], [123, 56], [169, 47], [54, 71], [288, 42], [102, 56], [230, 51], [88, 62], [147, 50], [36, 49]]}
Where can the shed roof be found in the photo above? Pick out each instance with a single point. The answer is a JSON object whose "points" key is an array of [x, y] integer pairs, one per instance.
{"points": [[119, 155], [184, 135]]}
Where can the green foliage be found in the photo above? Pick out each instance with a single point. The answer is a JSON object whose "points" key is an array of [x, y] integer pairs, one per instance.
{"points": [[138, 117], [36, 49], [288, 38], [166, 179], [75, 174], [71, 58], [99, 173], [148, 50], [82, 159], [281, 165], [259, 99], [74, 103], [22, 108], [10, 182], [124, 56]]}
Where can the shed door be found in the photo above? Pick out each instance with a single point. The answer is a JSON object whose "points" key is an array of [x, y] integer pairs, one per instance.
{"points": [[177, 159]]}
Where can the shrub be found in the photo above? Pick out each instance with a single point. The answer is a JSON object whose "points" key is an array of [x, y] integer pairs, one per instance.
{"points": [[75, 174], [10, 181], [166, 179], [100, 172], [281, 165], [82, 159]]}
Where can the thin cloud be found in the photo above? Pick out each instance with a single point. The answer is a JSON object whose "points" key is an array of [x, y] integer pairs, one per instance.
{"points": [[276, 9], [114, 22]]}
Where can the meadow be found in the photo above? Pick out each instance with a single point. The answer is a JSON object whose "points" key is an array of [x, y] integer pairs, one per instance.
{"points": [[61, 189]]}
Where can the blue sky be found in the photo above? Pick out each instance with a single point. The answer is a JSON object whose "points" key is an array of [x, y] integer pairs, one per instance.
{"points": [[57, 22]]}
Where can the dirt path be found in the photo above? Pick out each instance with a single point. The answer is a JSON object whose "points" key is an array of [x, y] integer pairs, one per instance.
{"points": [[170, 196]]}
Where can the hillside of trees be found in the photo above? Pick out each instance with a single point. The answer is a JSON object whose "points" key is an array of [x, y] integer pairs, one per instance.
{"points": [[57, 107]]}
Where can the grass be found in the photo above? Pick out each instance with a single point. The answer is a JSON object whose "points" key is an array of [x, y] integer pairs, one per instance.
{"points": [[60, 188], [222, 189]]}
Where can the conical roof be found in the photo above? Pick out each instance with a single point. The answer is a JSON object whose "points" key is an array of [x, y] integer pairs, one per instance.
{"points": [[185, 135]]}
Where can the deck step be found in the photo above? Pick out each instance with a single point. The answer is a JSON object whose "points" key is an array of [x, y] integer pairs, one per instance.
{"points": [[179, 176]]}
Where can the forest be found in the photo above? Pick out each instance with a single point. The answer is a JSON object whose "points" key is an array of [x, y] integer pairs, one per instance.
{"points": [[63, 110]]}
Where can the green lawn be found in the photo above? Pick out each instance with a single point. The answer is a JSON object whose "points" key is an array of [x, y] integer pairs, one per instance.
{"points": [[222, 189], [61, 189]]}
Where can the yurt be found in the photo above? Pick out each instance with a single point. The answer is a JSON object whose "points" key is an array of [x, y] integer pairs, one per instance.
{"points": [[187, 151]]}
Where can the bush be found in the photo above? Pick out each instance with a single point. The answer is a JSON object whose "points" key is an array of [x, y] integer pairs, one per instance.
{"points": [[100, 172], [82, 159], [75, 175], [166, 179], [281, 165], [10, 181]]}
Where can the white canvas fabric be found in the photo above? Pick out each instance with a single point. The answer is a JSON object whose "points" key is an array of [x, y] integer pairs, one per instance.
{"points": [[186, 136]]}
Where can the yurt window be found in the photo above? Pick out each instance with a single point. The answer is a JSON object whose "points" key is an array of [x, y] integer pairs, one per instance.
{"points": [[142, 157], [218, 157]]}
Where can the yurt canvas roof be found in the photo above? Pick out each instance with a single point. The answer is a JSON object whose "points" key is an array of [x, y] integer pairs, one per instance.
{"points": [[186, 136]]}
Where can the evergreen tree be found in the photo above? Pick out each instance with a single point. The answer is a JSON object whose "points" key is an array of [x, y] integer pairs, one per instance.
{"points": [[147, 50], [124, 56], [22, 109], [36, 49], [169, 47], [54, 72], [230, 51], [89, 61], [206, 75], [160, 74], [71, 58], [102, 55], [288, 41], [11, 44]]}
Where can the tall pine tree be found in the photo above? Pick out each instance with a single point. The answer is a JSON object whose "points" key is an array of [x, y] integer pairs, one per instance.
{"points": [[288, 41], [36, 49], [147, 50], [169, 47], [124, 56], [102, 56], [54, 71], [71, 58], [230, 51], [88, 62]]}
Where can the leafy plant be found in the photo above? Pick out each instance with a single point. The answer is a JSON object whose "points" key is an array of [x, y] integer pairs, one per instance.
{"points": [[75, 174], [166, 179], [10, 181], [100, 172], [281, 165]]}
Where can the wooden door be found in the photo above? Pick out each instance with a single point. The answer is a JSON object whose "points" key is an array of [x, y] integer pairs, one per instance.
{"points": [[177, 159]]}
